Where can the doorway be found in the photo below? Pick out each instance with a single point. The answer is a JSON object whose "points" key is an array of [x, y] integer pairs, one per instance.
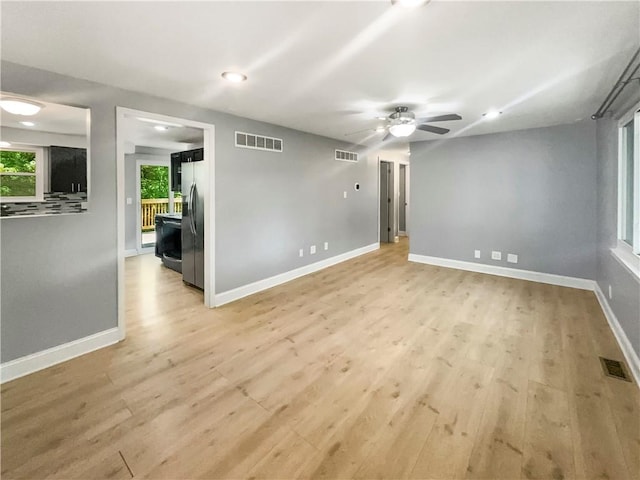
{"points": [[133, 143], [387, 233], [153, 194]]}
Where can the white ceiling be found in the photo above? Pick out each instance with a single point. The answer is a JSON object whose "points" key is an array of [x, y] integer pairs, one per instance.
{"points": [[331, 67], [177, 138]]}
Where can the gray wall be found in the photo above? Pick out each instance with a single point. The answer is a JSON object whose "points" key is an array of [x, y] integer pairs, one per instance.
{"points": [[529, 192], [59, 274], [625, 301]]}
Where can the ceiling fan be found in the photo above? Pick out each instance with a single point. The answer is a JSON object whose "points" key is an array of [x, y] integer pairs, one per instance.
{"points": [[402, 123]]}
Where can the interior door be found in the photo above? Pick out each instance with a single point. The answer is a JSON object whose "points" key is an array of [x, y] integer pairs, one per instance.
{"points": [[386, 206], [402, 207]]}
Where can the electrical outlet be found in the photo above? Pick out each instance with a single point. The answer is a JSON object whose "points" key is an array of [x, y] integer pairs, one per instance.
{"points": [[129, 201], [476, 253], [512, 258], [496, 255], [302, 252], [326, 245], [312, 249], [610, 293], [345, 194]]}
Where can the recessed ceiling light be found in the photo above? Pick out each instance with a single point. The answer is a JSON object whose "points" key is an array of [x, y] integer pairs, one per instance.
{"points": [[18, 106], [28, 124], [381, 118], [380, 129], [409, 3], [234, 77], [5, 144], [492, 114], [161, 128]]}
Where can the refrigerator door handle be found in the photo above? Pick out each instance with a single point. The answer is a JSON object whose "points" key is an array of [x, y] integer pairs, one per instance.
{"points": [[194, 203], [192, 220]]}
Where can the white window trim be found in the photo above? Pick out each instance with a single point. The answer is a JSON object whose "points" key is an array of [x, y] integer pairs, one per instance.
{"points": [[624, 254], [39, 196]]}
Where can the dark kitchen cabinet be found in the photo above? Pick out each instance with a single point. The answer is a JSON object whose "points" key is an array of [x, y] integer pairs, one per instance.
{"points": [[68, 169], [176, 171], [177, 159]]}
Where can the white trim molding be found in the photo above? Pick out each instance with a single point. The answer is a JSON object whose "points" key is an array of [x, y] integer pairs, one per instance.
{"points": [[625, 345], [132, 252], [52, 356], [260, 285], [550, 278]]}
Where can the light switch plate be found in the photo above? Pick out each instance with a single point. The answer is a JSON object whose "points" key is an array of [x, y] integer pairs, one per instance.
{"points": [[512, 258], [312, 249], [129, 201], [496, 255], [345, 194], [326, 245], [301, 252], [476, 253], [610, 293]]}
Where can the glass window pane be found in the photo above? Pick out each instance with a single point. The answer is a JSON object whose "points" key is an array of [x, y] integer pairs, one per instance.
{"points": [[17, 185], [628, 183], [13, 161]]}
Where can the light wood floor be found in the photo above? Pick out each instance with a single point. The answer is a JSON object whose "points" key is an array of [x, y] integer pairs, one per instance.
{"points": [[375, 368]]}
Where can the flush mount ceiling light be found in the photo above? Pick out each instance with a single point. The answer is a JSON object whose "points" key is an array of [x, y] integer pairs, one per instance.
{"points": [[28, 124], [234, 77], [492, 114], [18, 106], [410, 3], [161, 128]]}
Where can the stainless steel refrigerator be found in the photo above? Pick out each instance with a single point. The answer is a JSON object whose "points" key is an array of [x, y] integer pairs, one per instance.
{"points": [[193, 185]]}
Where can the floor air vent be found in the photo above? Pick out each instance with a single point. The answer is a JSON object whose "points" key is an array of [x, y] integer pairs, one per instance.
{"points": [[615, 369]]}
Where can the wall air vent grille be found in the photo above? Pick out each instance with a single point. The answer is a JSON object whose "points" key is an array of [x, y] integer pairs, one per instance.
{"points": [[258, 142], [345, 156]]}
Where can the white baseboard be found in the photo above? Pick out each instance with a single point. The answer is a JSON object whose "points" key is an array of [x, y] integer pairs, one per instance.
{"points": [[255, 287], [625, 345], [131, 252], [552, 279], [52, 356]]}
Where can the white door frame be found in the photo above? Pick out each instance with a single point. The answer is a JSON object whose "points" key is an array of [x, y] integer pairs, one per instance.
{"points": [[139, 163], [407, 170], [209, 201]]}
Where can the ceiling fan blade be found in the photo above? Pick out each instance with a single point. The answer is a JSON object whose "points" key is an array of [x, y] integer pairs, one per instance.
{"points": [[442, 118], [386, 137], [432, 129]]}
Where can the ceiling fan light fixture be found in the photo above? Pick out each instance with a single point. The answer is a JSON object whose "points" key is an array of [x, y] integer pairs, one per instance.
{"points": [[402, 129], [18, 106]]}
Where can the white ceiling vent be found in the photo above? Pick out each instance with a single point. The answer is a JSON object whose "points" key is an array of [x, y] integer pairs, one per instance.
{"points": [[345, 156], [258, 142]]}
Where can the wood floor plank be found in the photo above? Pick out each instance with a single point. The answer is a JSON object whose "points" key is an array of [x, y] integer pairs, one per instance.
{"points": [[373, 368]]}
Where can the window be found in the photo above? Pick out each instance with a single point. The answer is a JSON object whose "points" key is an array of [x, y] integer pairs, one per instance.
{"points": [[21, 174], [628, 248]]}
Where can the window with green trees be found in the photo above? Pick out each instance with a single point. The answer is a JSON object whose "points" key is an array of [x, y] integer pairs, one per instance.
{"points": [[19, 174]]}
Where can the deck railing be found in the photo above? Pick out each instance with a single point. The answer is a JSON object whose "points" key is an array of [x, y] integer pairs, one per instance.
{"points": [[153, 206]]}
